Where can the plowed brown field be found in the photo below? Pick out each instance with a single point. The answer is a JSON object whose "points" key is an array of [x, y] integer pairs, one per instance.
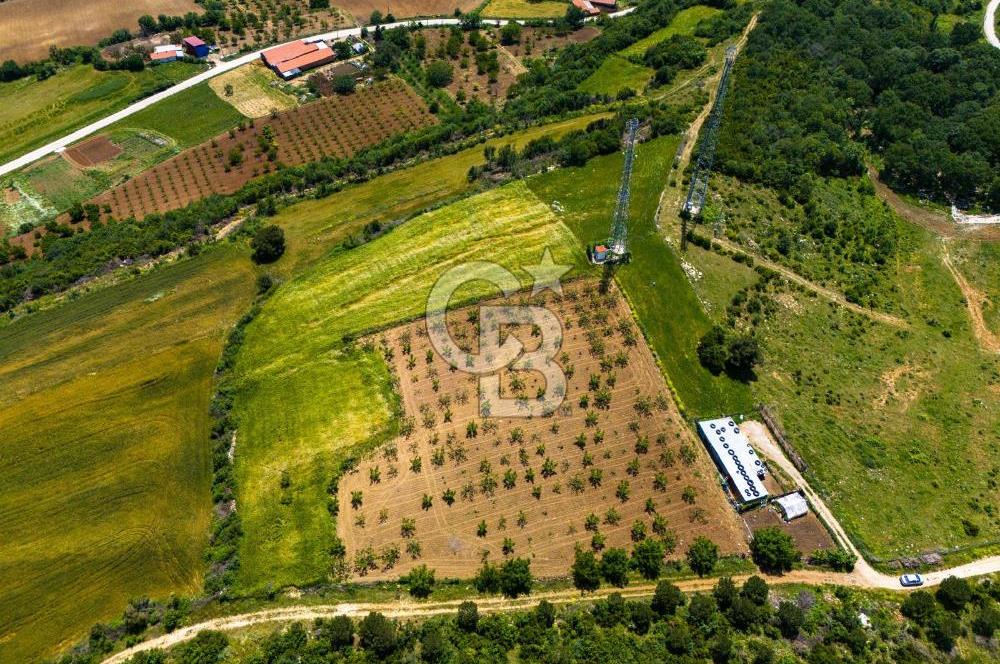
{"points": [[640, 427], [334, 126], [29, 27]]}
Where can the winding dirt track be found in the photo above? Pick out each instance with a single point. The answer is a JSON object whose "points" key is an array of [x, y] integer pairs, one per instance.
{"points": [[974, 299]]}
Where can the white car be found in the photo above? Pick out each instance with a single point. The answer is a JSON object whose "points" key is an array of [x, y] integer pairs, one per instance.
{"points": [[911, 580]]}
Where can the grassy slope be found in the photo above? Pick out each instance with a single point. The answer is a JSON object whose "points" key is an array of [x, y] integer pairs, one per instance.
{"points": [[667, 307], [189, 117], [105, 459], [312, 227], [34, 112], [683, 24], [618, 72], [293, 354], [911, 417]]}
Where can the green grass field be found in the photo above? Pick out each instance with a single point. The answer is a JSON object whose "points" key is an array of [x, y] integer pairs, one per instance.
{"points": [[302, 400], [524, 9], [189, 117], [34, 112], [907, 415], [666, 305], [106, 462], [616, 73], [312, 227], [683, 24]]}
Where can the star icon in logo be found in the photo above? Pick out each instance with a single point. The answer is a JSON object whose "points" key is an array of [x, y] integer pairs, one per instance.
{"points": [[546, 274]]}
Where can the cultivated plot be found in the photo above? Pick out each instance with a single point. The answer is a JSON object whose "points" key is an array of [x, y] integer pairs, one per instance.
{"points": [[295, 353], [106, 458], [334, 126], [614, 463]]}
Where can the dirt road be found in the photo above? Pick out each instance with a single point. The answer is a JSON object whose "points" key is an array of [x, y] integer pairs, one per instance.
{"points": [[822, 291], [863, 576], [974, 299]]}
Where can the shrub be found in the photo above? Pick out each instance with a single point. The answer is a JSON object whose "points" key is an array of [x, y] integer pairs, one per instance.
{"points": [[667, 599], [420, 581], [268, 244], [468, 616], [954, 593], [648, 558], [487, 579]]}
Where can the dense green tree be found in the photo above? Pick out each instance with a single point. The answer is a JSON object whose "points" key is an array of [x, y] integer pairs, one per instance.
{"points": [[206, 647], [789, 619], [378, 634], [420, 581], [725, 592], [702, 556], [468, 616], [919, 606], [487, 579], [647, 556], [713, 349], [515, 577], [337, 632], [439, 74], [755, 589], [614, 567], [586, 571], [667, 599], [954, 593], [773, 550], [343, 84], [268, 244]]}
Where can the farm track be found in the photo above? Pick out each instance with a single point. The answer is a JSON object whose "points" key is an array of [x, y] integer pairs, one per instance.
{"points": [[221, 68], [988, 340]]}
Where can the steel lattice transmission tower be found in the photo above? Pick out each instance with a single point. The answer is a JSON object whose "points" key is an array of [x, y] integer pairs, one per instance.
{"points": [[617, 250], [706, 151]]}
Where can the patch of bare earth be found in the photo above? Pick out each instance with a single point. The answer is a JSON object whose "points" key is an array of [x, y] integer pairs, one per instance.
{"points": [[900, 386], [532, 481], [92, 152]]}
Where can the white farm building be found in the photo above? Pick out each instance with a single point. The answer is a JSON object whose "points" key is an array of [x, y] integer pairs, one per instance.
{"points": [[736, 460]]}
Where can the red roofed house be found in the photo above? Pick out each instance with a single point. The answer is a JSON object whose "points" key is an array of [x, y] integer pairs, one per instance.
{"points": [[607, 5], [195, 47], [587, 7], [167, 53], [290, 60]]}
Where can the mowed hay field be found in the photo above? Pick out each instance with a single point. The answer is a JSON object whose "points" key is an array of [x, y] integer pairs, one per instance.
{"points": [[615, 448], [30, 27], [34, 112], [336, 126], [303, 401], [253, 94], [106, 460]]}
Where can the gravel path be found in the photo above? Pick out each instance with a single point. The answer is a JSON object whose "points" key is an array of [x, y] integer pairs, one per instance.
{"points": [[990, 23]]}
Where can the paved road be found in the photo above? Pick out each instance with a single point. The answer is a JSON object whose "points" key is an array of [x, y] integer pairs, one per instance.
{"points": [[220, 68], [990, 23]]}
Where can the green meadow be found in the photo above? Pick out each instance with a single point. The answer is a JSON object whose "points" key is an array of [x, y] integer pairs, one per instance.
{"points": [[304, 399], [618, 71], [189, 117], [106, 462], [909, 415], [34, 112], [667, 307]]}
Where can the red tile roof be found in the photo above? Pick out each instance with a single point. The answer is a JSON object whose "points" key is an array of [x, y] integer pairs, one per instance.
{"points": [[586, 6], [298, 55], [193, 41], [165, 55]]}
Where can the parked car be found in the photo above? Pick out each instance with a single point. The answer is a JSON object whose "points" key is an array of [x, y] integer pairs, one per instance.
{"points": [[911, 580]]}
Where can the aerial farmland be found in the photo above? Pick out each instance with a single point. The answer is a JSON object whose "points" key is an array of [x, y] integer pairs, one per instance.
{"points": [[576, 330]]}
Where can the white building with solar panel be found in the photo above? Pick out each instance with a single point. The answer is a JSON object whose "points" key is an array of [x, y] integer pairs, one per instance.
{"points": [[736, 460]]}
